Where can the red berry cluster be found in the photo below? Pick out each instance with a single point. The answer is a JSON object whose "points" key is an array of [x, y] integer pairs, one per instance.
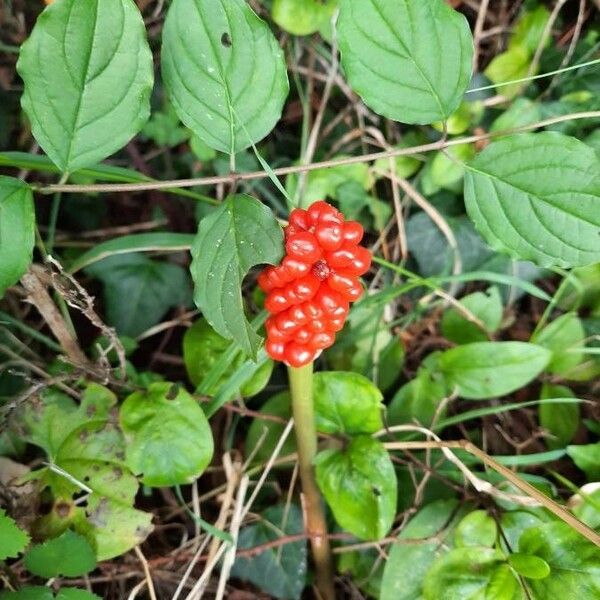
{"points": [[309, 293]]}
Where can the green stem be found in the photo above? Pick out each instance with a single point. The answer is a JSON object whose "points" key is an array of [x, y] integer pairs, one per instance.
{"points": [[301, 386]]}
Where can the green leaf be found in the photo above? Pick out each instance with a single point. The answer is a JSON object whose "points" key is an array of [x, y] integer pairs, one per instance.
{"points": [[280, 572], [417, 400], [359, 484], [503, 585], [12, 539], [168, 437], [529, 29], [138, 291], [560, 420], [165, 129], [509, 66], [29, 593], [302, 17], [563, 337], [224, 70], [532, 567], [535, 196], [17, 230], [237, 236], [347, 403], [264, 434], [587, 458], [406, 166], [45, 593], [574, 562], [409, 61], [515, 522], [69, 554], [522, 111], [447, 169], [88, 449], [476, 529], [461, 573], [89, 101], [203, 347], [486, 306], [487, 369], [416, 550], [163, 241]]}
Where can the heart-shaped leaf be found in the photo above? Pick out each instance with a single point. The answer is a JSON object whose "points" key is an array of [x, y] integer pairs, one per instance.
{"points": [[17, 230], [536, 196], [168, 437], [88, 75], [409, 61], [238, 235], [224, 71]]}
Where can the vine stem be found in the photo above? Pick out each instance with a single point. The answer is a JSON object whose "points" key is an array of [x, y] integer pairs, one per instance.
{"points": [[301, 387]]}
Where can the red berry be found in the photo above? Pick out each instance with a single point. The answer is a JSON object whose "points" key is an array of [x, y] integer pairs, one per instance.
{"points": [[304, 246], [309, 293]]}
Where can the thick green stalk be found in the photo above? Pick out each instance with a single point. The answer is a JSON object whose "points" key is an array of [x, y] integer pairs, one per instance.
{"points": [[301, 386]]}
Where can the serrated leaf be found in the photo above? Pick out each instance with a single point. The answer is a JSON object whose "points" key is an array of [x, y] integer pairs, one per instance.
{"points": [[239, 235], [486, 369], [13, 540], [88, 75], [409, 61], [536, 196], [69, 554], [17, 230], [224, 70], [168, 437], [360, 486], [138, 290]]}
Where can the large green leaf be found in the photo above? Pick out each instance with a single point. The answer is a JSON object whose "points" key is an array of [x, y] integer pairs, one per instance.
{"points": [[84, 443], [69, 554], [281, 572], [360, 486], [418, 546], [565, 338], [12, 539], [409, 61], [203, 348], [487, 369], [238, 235], [347, 403], [587, 458], [168, 437], [464, 573], [224, 70], [138, 291], [574, 562], [88, 75], [536, 196], [17, 230]]}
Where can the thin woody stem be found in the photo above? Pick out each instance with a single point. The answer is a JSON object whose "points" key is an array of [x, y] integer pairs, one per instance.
{"points": [[301, 382], [186, 183]]}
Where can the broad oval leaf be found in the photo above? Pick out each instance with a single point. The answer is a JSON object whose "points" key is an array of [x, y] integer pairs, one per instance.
{"points": [[224, 71], [88, 75], [279, 571], [417, 548], [360, 486], [527, 565], [347, 403], [168, 437], [409, 61], [574, 562], [476, 529], [17, 230], [237, 236], [487, 369], [536, 196]]}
